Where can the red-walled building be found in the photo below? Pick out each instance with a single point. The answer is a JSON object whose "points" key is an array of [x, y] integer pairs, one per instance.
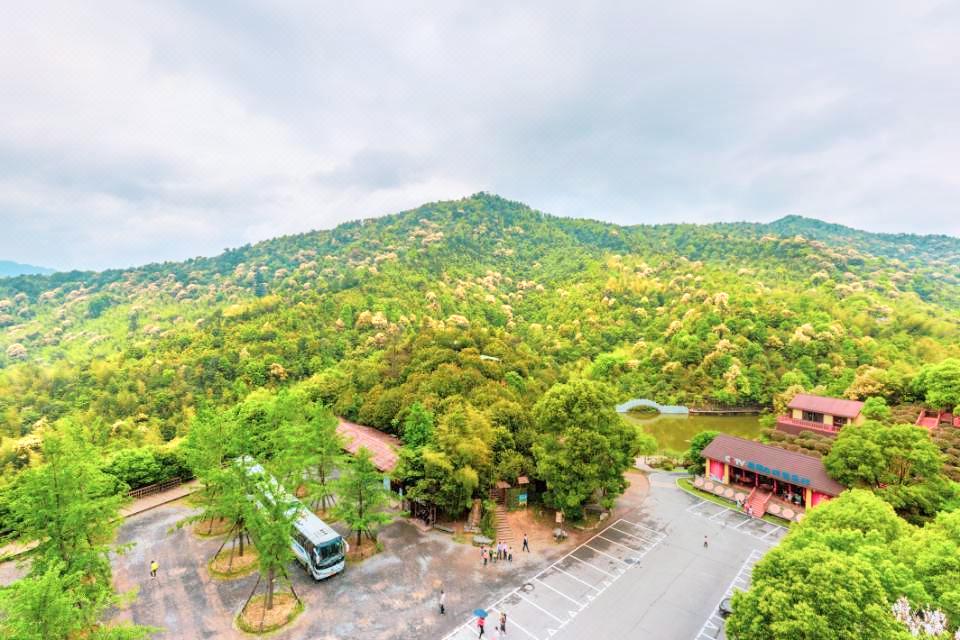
{"points": [[819, 414], [791, 477]]}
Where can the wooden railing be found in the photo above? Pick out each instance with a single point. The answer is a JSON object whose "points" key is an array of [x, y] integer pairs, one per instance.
{"points": [[151, 489], [808, 424]]}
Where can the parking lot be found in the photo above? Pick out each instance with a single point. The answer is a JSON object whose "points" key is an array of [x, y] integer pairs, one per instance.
{"points": [[545, 603], [738, 521], [713, 628]]}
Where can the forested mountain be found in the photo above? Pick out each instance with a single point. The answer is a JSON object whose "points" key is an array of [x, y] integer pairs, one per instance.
{"points": [[379, 313]]}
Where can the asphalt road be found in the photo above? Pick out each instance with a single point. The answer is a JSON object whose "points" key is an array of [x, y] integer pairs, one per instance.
{"points": [[647, 575]]}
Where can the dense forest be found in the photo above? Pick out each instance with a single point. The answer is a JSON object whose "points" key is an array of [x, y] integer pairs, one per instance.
{"points": [[480, 298]]}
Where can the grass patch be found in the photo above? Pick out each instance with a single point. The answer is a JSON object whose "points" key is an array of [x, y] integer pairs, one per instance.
{"points": [[220, 566], [687, 485], [285, 610]]}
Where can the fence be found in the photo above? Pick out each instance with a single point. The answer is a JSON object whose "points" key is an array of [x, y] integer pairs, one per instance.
{"points": [[151, 489]]}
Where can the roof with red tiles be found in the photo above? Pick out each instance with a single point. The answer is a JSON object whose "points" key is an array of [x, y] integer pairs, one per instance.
{"points": [[829, 406], [382, 445], [774, 462]]}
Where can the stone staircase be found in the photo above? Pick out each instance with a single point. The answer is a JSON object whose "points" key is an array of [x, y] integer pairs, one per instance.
{"points": [[758, 501], [504, 532]]}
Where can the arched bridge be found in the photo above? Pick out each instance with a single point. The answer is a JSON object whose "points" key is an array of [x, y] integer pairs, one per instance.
{"points": [[643, 402]]}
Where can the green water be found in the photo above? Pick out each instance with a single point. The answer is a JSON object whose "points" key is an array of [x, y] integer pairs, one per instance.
{"points": [[674, 432]]}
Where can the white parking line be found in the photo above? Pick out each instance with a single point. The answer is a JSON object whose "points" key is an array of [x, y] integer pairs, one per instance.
{"points": [[694, 507], [714, 622], [579, 604], [510, 621], [593, 567], [551, 628], [631, 549], [523, 597], [606, 554], [659, 534], [614, 527], [577, 579]]}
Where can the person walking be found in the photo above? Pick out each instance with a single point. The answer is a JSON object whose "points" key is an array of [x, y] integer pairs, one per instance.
{"points": [[153, 568], [503, 624], [510, 554], [483, 554], [526, 545], [704, 542], [443, 602], [480, 626]]}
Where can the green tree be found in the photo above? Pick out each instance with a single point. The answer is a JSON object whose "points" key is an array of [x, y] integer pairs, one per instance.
{"points": [[698, 443], [135, 467], [271, 513], [875, 408], [813, 593], [363, 500], [56, 606], [646, 443], [940, 383], [206, 450], [69, 507], [898, 462], [418, 429], [577, 467], [585, 448]]}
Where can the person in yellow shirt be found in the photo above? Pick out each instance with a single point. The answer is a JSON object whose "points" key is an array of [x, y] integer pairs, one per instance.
{"points": [[153, 568]]}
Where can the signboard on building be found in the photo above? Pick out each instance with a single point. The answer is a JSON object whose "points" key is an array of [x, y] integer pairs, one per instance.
{"points": [[779, 474]]}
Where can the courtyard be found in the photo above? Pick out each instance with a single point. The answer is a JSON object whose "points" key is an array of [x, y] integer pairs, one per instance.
{"points": [[644, 573]]}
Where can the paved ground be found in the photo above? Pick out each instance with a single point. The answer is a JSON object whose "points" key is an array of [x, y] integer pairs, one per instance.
{"points": [[152, 501], [392, 595], [713, 627], [645, 575], [15, 563], [648, 575], [542, 605]]}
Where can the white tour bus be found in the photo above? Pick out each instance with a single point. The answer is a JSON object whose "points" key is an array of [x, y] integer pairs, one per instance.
{"points": [[318, 547]]}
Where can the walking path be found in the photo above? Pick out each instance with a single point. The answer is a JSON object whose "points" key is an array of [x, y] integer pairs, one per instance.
{"points": [[149, 502], [16, 548]]}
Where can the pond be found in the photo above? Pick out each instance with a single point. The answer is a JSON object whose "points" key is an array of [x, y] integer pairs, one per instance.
{"points": [[673, 432]]}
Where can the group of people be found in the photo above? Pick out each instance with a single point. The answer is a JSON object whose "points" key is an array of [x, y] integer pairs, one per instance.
{"points": [[501, 625], [742, 504], [500, 552]]}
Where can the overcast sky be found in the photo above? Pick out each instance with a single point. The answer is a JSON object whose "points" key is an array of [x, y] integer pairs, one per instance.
{"points": [[140, 131]]}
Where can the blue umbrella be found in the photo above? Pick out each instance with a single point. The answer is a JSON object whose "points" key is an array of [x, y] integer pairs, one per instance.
{"points": [[480, 613]]}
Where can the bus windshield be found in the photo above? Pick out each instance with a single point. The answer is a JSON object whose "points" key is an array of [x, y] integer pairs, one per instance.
{"points": [[330, 553]]}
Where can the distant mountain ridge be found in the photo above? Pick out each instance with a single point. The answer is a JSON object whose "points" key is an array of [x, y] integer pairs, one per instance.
{"points": [[8, 268], [891, 245]]}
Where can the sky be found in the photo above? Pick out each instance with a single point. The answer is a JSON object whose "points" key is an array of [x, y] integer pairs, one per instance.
{"points": [[133, 132]]}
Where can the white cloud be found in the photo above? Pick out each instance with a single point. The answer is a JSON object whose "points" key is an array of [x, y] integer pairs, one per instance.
{"points": [[132, 132]]}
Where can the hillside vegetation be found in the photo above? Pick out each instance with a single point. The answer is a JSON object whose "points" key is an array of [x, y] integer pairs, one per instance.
{"points": [[482, 299]]}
